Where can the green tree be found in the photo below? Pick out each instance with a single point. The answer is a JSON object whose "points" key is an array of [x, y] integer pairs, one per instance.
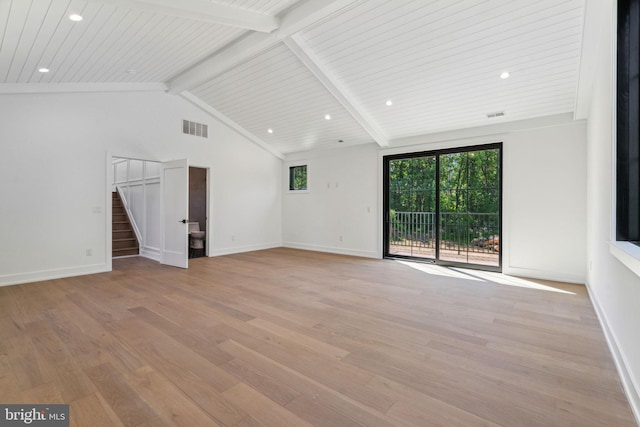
{"points": [[469, 195]]}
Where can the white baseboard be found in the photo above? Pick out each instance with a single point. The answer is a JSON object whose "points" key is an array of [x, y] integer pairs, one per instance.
{"points": [[242, 249], [544, 275], [631, 389], [332, 250], [37, 276], [151, 253]]}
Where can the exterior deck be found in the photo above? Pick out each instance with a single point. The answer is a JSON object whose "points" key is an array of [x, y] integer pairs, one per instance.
{"points": [[466, 255]]}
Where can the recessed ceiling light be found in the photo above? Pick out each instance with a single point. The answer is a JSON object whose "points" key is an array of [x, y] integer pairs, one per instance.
{"points": [[504, 75], [389, 103], [75, 17], [270, 130], [327, 117], [43, 70]]}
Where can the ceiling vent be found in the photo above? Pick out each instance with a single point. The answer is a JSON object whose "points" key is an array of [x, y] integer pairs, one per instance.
{"points": [[496, 114], [196, 129]]}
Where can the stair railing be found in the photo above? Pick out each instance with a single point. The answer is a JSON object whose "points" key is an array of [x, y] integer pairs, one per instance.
{"points": [[132, 221]]}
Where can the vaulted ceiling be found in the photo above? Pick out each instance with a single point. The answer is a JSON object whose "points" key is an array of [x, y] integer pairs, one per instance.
{"points": [[276, 70]]}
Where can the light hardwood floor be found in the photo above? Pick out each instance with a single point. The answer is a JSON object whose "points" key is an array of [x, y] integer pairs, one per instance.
{"points": [[293, 338]]}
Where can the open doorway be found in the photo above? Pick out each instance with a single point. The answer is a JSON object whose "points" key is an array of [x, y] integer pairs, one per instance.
{"points": [[198, 212], [170, 237], [136, 220]]}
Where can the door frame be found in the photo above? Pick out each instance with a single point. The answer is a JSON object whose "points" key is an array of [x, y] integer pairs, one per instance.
{"points": [[208, 207], [437, 153], [108, 202]]}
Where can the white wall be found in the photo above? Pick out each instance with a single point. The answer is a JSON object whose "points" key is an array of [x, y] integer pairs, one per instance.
{"points": [[54, 174], [544, 198], [614, 288], [545, 203], [339, 213]]}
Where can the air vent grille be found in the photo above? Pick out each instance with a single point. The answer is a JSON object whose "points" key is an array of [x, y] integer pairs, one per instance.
{"points": [[496, 114], [196, 129]]}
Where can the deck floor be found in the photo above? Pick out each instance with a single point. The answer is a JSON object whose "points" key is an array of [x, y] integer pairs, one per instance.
{"points": [[472, 257]]}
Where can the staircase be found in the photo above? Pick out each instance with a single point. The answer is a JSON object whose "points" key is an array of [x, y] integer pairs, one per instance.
{"points": [[122, 235]]}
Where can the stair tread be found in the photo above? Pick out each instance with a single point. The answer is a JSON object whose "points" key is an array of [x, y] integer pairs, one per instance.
{"points": [[119, 218]]}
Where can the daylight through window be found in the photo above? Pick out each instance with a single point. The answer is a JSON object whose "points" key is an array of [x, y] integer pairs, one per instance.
{"points": [[298, 177]]}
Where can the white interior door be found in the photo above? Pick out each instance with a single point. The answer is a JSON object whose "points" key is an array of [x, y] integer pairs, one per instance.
{"points": [[174, 184]]}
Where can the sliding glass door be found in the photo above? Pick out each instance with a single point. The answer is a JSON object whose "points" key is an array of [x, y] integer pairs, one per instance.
{"points": [[444, 206], [412, 198]]}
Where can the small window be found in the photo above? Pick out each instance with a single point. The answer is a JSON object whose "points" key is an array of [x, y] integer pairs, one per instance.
{"points": [[298, 177]]}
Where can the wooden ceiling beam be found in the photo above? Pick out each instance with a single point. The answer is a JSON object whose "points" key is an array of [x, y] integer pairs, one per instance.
{"points": [[338, 90], [296, 20]]}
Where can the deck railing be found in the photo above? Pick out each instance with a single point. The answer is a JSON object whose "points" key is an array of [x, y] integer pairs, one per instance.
{"points": [[469, 232]]}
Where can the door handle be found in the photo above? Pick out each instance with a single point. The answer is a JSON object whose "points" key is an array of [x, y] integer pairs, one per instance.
{"points": [[184, 221]]}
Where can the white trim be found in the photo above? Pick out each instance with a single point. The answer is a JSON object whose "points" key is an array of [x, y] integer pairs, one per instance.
{"points": [[243, 249], [108, 238], [591, 34], [494, 131], [138, 182], [332, 250], [151, 253], [632, 390], [628, 254], [38, 276], [557, 276]]}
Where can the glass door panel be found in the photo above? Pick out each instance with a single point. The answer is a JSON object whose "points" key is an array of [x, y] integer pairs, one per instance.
{"points": [[412, 207], [470, 207]]}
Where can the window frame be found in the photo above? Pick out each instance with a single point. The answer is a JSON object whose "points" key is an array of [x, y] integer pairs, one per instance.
{"points": [[291, 177], [437, 153], [627, 204]]}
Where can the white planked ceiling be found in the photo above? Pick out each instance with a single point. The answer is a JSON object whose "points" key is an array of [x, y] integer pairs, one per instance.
{"points": [[276, 91], [439, 61]]}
